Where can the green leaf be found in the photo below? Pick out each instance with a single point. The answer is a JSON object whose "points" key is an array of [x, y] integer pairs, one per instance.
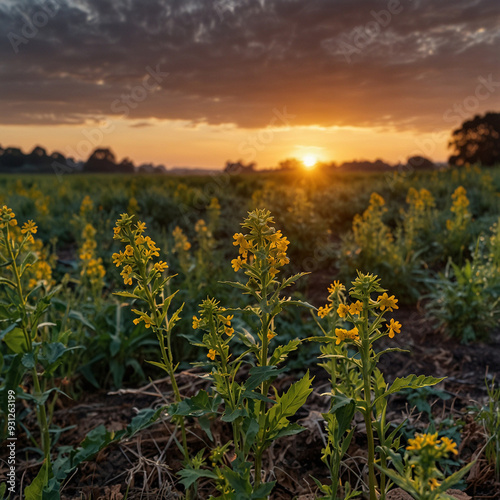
{"points": [[35, 490], [288, 404], [263, 490], [198, 405], [289, 430], [78, 316], [28, 360], [127, 295], [410, 382], [205, 425], [16, 341], [7, 330], [260, 374], [5, 281], [189, 476], [281, 352], [343, 408], [233, 415]]}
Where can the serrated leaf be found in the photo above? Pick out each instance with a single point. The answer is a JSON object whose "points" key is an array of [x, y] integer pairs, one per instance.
{"points": [[410, 382], [288, 404], [281, 352]]}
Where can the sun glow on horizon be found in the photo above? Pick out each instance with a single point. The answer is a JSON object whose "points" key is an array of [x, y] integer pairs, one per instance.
{"points": [[309, 161]]}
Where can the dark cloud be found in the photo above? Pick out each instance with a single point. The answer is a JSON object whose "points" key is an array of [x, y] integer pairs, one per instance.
{"points": [[329, 62]]}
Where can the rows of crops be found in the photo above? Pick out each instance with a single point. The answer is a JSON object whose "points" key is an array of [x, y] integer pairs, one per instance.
{"points": [[98, 277]]}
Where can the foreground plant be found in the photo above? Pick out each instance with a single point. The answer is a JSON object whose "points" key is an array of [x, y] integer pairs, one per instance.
{"points": [[35, 347], [364, 324], [142, 269], [256, 417], [418, 472]]}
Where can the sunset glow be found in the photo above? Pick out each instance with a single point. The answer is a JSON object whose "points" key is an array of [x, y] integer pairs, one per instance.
{"points": [[309, 161], [192, 88]]}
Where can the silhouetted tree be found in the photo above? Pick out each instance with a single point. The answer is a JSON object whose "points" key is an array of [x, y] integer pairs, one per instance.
{"points": [[420, 163], [290, 164], [12, 157], [101, 160], [37, 156], [126, 166], [477, 141]]}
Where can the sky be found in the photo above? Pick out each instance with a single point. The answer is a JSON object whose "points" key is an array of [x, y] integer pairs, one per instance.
{"points": [[200, 82]]}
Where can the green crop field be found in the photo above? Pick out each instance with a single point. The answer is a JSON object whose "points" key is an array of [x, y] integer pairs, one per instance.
{"points": [[236, 311]]}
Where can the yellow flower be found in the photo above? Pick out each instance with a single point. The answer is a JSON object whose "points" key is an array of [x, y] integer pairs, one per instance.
{"points": [[415, 443], [343, 334], [270, 335], [118, 259], [430, 439], [141, 227], [342, 310], [336, 286], [356, 308], [126, 274], [449, 445], [228, 331], [196, 322], [394, 327], [323, 311], [434, 483], [7, 217], [386, 302], [160, 266], [129, 251], [29, 227], [211, 354], [238, 263]]}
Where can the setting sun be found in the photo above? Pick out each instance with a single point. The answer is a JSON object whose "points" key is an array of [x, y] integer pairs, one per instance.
{"points": [[309, 161]]}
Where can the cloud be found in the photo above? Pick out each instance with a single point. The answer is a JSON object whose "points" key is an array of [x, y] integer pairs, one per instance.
{"points": [[383, 63]]}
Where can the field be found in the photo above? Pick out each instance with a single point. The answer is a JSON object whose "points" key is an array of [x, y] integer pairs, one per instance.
{"points": [[167, 359]]}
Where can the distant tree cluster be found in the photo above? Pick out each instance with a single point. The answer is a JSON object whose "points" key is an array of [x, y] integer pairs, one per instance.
{"points": [[239, 167], [102, 160]]}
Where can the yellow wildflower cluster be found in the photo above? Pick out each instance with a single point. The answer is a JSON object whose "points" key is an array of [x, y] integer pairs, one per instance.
{"points": [[420, 200], [425, 449], [92, 268], [29, 228], [7, 217], [39, 271], [460, 208], [372, 237], [460, 200], [86, 207], [353, 311], [217, 322], [139, 249], [343, 334], [262, 240], [442, 445], [181, 240]]}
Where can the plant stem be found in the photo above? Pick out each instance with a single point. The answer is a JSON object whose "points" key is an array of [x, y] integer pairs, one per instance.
{"points": [[26, 329], [365, 359]]}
